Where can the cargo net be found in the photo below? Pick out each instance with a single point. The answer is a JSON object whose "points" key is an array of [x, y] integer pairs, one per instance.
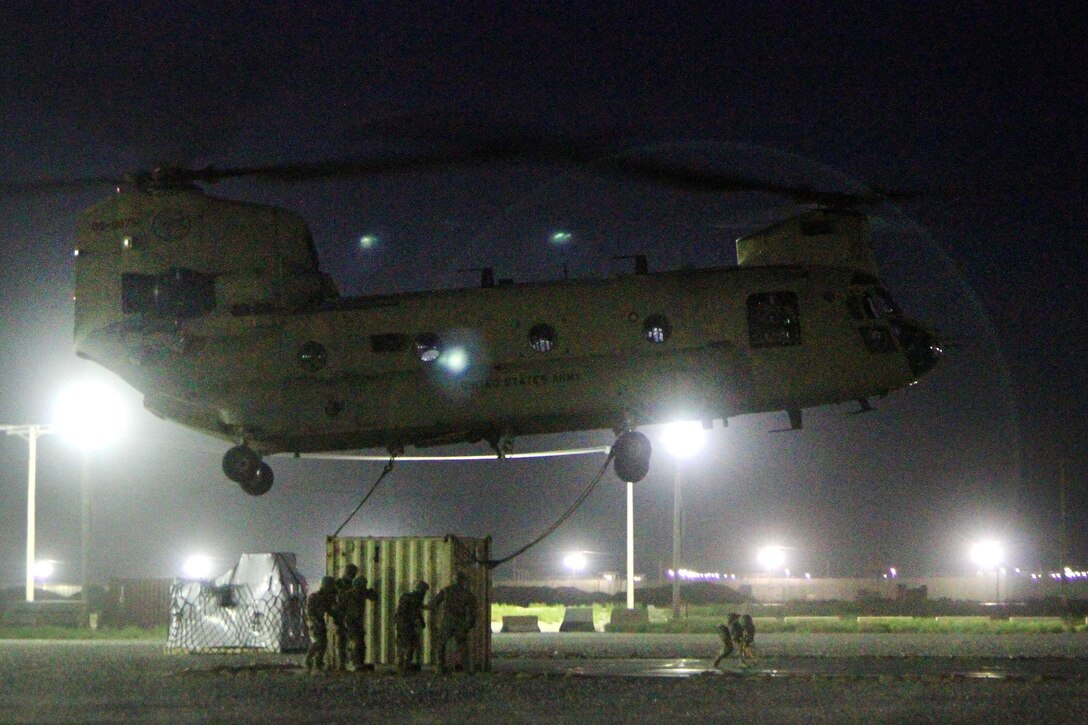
{"points": [[213, 618]]}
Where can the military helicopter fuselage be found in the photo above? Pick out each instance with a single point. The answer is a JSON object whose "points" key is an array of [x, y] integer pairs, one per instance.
{"points": [[218, 313]]}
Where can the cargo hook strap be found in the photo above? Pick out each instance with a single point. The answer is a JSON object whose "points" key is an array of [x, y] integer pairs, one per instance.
{"points": [[373, 488], [492, 563]]}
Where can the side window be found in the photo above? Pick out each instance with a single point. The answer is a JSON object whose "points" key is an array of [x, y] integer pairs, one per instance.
{"points": [[773, 319], [428, 347], [657, 328], [542, 337]]}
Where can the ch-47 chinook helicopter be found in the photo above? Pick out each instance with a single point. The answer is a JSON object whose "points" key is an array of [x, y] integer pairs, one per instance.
{"points": [[218, 312]]}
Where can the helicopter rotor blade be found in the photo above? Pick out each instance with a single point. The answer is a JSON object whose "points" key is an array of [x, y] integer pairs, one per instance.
{"points": [[48, 186]]}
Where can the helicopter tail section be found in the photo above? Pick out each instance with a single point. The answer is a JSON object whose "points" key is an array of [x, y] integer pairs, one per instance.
{"points": [[826, 237]]}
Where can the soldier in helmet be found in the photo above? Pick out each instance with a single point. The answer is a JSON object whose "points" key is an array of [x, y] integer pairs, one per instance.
{"points": [[408, 620], [338, 637], [456, 607], [725, 634], [318, 605], [353, 612]]}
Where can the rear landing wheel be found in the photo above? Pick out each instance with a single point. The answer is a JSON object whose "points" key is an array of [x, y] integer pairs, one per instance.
{"points": [[631, 456], [241, 464], [259, 484]]}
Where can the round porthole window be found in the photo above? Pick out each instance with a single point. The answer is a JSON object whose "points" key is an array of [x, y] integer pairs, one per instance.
{"points": [[428, 347], [542, 337], [657, 328], [312, 356]]}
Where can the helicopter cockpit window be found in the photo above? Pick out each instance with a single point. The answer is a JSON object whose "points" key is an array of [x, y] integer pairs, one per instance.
{"points": [[428, 347], [178, 294], [542, 337], [883, 303], [873, 304], [657, 328], [773, 319], [878, 340]]}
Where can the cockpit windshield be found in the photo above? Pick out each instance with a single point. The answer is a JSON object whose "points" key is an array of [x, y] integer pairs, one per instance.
{"points": [[875, 303]]}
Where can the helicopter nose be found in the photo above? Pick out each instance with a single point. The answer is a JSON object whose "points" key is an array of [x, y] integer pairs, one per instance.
{"points": [[922, 347]]}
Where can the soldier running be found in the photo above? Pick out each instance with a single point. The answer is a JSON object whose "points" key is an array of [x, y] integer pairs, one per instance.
{"points": [[725, 635], [318, 605], [456, 606], [408, 620], [353, 613]]}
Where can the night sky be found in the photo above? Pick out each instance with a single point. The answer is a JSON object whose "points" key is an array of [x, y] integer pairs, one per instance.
{"points": [[976, 97]]}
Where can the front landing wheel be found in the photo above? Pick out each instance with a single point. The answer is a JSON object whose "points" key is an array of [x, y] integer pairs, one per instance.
{"points": [[631, 453]]}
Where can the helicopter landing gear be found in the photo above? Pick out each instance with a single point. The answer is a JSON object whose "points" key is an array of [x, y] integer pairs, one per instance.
{"points": [[244, 466], [261, 483], [631, 453]]}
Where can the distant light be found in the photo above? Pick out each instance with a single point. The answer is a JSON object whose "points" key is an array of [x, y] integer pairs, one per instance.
{"points": [[683, 438], [90, 415], [43, 569], [455, 359], [197, 567], [368, 241], [987, 554], [771, 557], [807, 575], [560, 237], [893, 572], [575, 561]]}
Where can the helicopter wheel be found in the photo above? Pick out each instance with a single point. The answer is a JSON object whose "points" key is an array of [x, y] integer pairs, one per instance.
{"points": [[632, 456], [259, 484], [241, 464]]}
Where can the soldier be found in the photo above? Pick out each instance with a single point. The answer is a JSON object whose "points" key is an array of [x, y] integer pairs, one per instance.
{"points": [[318, 605], [338, 636], [726, 639], [353, 612], [736, 629], [408, 620], [457, 616], [749, 629]]}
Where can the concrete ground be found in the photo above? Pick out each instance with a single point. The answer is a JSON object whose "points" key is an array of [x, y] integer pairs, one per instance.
{"points": [[573, 677]]}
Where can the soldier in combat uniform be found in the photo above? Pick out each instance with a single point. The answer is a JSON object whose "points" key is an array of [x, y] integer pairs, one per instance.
{"points": [[318, 605], [336, 659], [353, 612], [725, 634], [456, 606], [408, 620]]}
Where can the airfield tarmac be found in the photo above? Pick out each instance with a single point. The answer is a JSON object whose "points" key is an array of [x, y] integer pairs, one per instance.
{"points": [[570, 678]]}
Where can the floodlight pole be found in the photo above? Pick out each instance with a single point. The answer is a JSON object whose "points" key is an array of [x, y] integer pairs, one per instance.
{"points": [[30, 433], [84, 528], [630, 545], [676, 534]]}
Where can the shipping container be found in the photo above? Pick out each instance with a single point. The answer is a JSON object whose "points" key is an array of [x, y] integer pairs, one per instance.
{"points": [[137, 602], [394, 565]]}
